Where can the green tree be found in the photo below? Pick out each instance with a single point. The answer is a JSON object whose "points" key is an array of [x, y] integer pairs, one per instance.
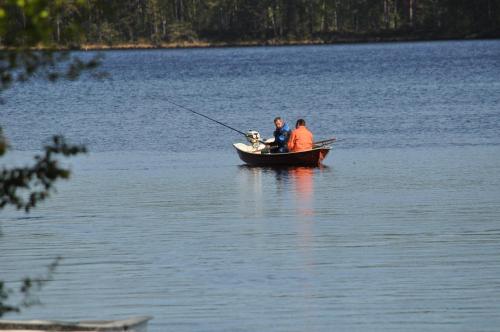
{"points": [[153, 21]]}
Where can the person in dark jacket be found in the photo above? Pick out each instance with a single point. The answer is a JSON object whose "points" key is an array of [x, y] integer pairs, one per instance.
{"points": [[281, 135]]}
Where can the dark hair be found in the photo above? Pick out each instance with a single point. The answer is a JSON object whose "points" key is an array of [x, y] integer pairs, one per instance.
{"points": [[300, 122], [277, 118]]}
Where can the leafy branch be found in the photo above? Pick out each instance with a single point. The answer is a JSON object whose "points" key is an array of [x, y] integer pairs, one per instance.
{"points": [[26, 52], [37, 180], [27, 290]]}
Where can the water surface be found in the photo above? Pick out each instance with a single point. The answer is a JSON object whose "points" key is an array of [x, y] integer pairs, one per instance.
{"points": [[398, 231]]}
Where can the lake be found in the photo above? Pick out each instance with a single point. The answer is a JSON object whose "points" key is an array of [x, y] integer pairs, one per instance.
{"points": [[400, 230]]}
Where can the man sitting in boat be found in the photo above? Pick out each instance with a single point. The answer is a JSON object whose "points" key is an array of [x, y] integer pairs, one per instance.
{"points": [[301, 138], [281, 136]]}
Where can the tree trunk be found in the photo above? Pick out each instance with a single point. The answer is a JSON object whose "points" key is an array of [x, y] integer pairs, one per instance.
{"points": [[130, 33], [410, 9], [396, 23], [180, 10], [311, 18], [324, 17], [58, 30], [386, 14], [279, 17], [90, 12], [335, 17], [272, 16], [24, 19]]}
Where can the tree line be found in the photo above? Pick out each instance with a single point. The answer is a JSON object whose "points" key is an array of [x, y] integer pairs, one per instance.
{"points": [[162, 21]]}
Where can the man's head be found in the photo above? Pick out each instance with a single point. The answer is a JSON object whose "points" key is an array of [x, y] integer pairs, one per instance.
{"points": [[300, 122], [278, 122]]}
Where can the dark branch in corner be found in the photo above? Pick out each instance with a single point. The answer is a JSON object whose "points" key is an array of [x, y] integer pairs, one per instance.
{"points": [[24, 187]]}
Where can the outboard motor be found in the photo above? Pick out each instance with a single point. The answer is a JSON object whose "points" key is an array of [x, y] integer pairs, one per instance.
{"points": [[253, 137]]}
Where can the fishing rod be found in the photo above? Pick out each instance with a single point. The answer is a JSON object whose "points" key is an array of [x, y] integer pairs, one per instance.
{"points": [[325, 142], [328, 141], [203, 115]]}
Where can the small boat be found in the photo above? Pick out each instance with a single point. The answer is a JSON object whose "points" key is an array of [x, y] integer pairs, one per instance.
{"points": [[133, 324], [259, 157], [258, 153]]}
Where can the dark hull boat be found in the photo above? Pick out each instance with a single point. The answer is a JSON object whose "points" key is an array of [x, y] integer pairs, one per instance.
{"points": [[310, 158], [255, 154]]}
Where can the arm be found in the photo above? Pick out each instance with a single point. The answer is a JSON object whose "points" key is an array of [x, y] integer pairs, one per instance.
{"points": [[291, 142], [281, 137]]}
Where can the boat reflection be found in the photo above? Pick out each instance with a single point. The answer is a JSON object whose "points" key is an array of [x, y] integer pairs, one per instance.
{"points": [[303, 182], [251, 191], [286, 195], [288, 188]]}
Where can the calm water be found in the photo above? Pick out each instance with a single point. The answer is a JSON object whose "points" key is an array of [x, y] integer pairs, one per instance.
{"points": [[399, 231]]}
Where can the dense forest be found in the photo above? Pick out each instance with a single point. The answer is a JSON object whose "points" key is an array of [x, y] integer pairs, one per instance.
{"points": [[159, 22]]}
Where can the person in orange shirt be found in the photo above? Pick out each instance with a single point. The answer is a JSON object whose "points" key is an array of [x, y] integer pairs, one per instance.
{"points": [[301, 138]]}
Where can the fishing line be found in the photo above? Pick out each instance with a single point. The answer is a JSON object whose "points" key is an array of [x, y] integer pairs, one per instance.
{"points": [[203, 115]]}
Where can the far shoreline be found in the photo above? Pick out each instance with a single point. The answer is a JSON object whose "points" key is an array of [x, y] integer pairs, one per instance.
{"points": [[200, 44], [337, 39]]}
